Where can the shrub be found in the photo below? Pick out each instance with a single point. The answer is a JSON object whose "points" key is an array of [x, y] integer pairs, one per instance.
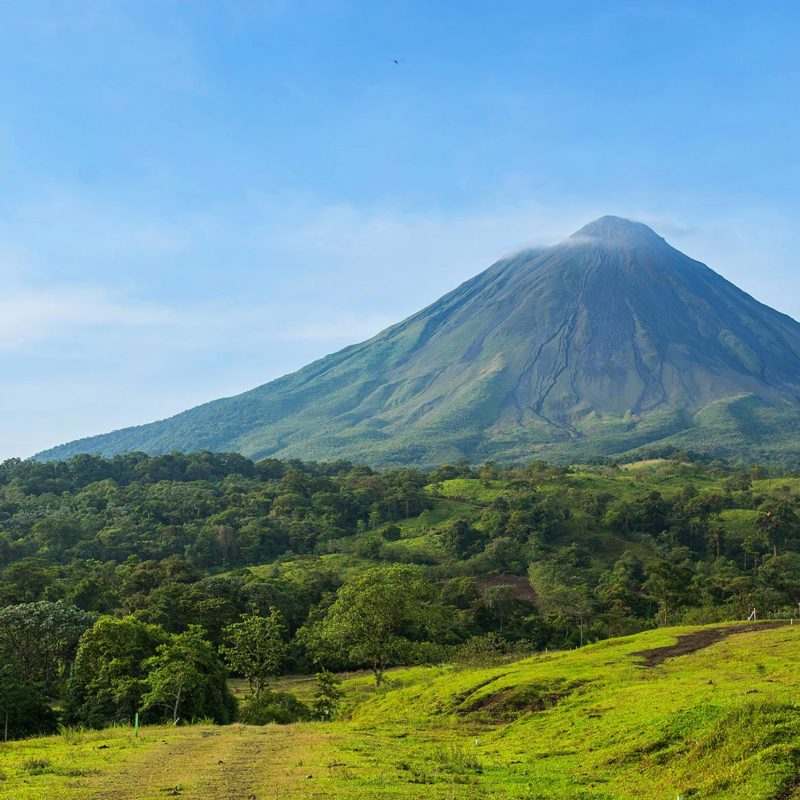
{"points": [[708, 614], [391, 533], [479, 650], [279, 707], [328, 697], [73, 734], [36, 766]]}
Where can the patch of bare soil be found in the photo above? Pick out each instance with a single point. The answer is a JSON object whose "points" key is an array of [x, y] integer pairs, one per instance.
{"points": [[509, 703], [692, 642], [520, 583]]}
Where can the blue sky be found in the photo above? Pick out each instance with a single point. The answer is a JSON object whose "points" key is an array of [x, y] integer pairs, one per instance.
{"points": [[201, 196]]}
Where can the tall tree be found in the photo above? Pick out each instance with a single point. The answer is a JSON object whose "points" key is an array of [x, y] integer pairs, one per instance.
{"points": [[187, 680], [377, 619], [256, 648], [668, 582], [40, 640], [107, 679], [562, 590], [24, 709], [778, 522]]}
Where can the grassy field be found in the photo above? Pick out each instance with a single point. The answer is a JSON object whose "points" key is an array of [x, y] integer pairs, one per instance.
{"points": [[607, 721]]}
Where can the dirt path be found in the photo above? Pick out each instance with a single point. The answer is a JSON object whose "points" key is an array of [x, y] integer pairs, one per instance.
{"points": [[236, 763], [691, 642]]}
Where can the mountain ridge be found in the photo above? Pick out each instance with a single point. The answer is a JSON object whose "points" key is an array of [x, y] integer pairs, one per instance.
{"points": [[604, 342]]}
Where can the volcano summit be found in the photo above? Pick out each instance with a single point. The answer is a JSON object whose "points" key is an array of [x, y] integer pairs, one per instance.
{"points": [[607, 343]]}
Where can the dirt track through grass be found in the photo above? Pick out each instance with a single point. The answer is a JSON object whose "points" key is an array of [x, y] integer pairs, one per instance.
{"points": [[692, 642], [226, 764]]}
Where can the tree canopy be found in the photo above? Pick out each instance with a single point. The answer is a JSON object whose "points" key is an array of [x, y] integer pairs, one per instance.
{"points": [[256, 648], [379, 619], [186, 679]]}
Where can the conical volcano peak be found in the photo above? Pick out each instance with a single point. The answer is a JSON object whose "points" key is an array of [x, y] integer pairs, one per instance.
{"points": [[611, 230], [599, 345]]}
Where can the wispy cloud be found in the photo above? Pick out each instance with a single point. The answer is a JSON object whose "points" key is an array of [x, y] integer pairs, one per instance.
{"points": [[29, 315], [298, 272]]}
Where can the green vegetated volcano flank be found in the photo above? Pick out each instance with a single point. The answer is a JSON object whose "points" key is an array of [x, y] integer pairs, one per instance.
{"points": [[604, 344]]}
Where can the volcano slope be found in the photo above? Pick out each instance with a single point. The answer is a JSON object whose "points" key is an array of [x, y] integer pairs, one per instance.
{"points": [[717, 721], [602, 344]]}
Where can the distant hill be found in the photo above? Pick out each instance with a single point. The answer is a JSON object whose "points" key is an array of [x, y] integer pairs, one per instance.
{"points": [[607, 343]]}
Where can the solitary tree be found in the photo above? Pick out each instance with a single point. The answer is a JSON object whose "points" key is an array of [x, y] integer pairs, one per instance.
{"points": [[328, 697], [187, 679], [378, 618], [256, 648]]}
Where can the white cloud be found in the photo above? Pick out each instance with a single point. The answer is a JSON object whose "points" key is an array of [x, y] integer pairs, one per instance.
{"points": [[300, 272], [65, 226], [29, 315]]}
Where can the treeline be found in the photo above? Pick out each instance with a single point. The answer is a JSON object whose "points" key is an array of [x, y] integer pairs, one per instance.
{"points": [[216, 510], [108, 670], [117, 575]]}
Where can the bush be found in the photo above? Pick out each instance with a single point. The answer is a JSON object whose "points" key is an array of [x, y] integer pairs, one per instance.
{"points": [[279, 707], [37, 766], [486, 649], [391, 533], [328, 697], [428, 653], [72, 734]]}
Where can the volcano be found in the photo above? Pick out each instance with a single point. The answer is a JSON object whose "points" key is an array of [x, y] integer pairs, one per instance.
{"points": [[611, 343]]}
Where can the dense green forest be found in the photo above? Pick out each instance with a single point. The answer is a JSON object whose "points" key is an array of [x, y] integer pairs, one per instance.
{"points": [[117, 575]]}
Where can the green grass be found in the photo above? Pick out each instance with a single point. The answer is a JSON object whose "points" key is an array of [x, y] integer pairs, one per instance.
{"points": [[472, 489], [788, 485], [640, 478], [721, 723], [444, 509], [738, 522], [68, 763], [344, 565]]}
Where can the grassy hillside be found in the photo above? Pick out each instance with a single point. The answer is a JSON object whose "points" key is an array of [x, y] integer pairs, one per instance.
{"points": [[622, 719]]}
